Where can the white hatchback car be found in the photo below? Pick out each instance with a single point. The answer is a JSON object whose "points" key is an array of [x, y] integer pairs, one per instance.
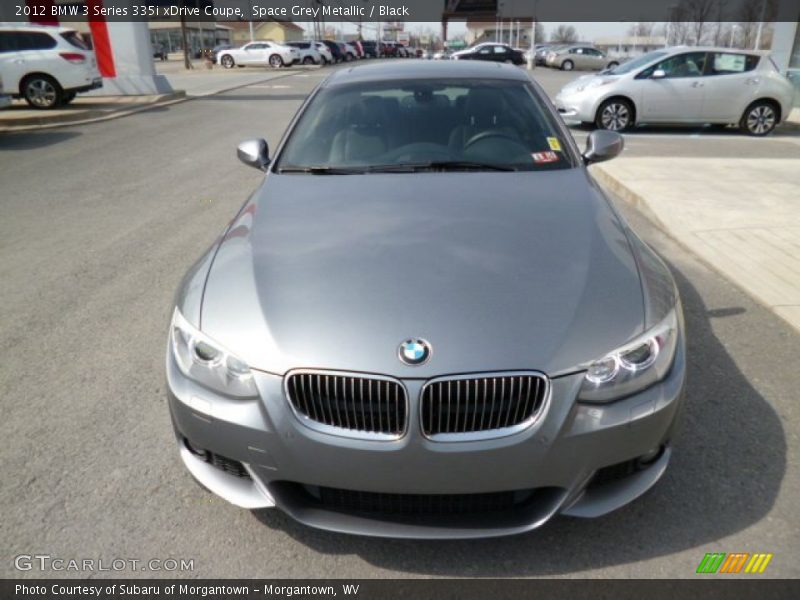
{"points": [[719, 86], [47, 66], [259, 54]]}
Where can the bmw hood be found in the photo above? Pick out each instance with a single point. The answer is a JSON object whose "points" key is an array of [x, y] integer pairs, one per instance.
{"points": [[497, 271]]}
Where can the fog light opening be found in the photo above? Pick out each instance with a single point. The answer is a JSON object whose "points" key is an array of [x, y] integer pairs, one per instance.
{"points": [[198, 452], [645, 460]]}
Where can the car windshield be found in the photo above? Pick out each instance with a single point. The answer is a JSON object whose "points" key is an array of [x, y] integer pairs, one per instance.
{"points": [[634, 64], [408, 126]]}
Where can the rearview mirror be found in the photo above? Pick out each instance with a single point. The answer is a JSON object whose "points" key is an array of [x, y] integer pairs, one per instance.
{"points": [[658, 74], [602, 145], [254, 153]]}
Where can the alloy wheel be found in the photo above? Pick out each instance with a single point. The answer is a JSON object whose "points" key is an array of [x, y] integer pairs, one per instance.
{"points": [[227, 62], [761, 119], [615, 116], [275, 61], [41, 93]]}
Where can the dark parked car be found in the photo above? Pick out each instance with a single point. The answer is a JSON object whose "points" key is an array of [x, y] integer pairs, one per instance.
{"points": [[217, 49], [159, 52], [491, 52], [370, 48], [336, 50]]}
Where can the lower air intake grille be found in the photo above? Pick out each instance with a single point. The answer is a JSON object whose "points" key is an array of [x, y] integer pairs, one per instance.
{"points": [[356, 405], [500, 404], [419, 504]]}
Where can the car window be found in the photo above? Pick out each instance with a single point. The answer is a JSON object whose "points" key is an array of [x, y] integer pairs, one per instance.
{"points": [[485, 50], [637, 63], [397, 124], [500, 50], [17, 41], [76, 40], [726, 63], [690, 64]]}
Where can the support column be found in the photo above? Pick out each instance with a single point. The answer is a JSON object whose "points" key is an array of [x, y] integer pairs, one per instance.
{"points": [[124, 55]]}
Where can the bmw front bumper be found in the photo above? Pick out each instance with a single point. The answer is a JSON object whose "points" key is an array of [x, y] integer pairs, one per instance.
{"points": [[580, 459]]}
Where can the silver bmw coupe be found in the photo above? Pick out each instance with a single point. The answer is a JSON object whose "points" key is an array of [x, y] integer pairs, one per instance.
{"points": [[428, 321]]}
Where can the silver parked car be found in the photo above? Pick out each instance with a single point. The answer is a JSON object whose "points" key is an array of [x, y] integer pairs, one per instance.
{"points": [[683, 85], [428, 321], [580, 57]]}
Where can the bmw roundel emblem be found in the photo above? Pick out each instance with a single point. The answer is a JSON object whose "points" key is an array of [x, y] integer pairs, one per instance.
{"points": [[414, 352]]}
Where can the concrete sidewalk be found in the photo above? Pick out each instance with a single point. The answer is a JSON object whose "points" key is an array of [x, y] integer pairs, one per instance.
{"points": [[742, 216]]}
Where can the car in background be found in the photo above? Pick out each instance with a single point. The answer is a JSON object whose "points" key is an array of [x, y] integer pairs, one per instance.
{"points": [[309, 55], [442, 55], [159, 52], [335, 50], [324, 52], [681, 85], [370, 48], [542, 52], [580, 57], [348, 51], [539, 371], [358, 47], [489, 51], [259, 54], [217, 49], [47, 66]]}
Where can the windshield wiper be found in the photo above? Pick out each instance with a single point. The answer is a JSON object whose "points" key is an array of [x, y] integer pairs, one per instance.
{"points": [[322, 170], [439, 165]]}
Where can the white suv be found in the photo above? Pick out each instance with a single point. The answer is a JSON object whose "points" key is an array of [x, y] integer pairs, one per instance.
{"points": [[47, 66]]}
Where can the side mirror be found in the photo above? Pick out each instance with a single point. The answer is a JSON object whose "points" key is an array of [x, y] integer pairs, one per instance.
{"points": [[602, 145], [254, 153], [658, 74]]}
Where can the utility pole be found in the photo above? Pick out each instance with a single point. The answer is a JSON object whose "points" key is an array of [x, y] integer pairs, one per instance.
{"points": [[760, 25]]}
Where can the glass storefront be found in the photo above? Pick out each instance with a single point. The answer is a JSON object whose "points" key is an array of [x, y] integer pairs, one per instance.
{"points": [[198, 39]]}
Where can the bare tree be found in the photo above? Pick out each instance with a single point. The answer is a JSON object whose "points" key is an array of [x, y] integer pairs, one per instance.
{"points": [[564, 34], [750, 14], [642, 29], [698, 13]]}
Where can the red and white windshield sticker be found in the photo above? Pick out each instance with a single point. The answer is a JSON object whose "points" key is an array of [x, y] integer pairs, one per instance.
{"points": [[545, 157]]}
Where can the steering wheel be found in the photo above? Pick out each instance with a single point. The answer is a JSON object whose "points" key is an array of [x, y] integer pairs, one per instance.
{"points": [[486, 135]]}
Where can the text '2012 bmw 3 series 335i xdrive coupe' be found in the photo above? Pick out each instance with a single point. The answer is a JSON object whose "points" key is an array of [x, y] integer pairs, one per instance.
{"points": [[428, 321]]}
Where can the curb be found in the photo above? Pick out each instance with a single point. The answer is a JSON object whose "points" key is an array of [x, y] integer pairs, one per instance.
{"points": [[85, 118], [626, 194]]}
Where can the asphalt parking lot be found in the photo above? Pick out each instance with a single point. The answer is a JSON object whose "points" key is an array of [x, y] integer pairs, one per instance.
{"points": [[99, 223]]}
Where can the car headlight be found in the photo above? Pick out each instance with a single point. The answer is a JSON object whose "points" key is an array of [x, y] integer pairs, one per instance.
{"points": [[205, 361], [593, 83], [634, 366]]}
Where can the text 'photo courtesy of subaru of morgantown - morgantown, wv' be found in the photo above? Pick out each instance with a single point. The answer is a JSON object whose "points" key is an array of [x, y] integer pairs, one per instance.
{"points": [[398, 367]]}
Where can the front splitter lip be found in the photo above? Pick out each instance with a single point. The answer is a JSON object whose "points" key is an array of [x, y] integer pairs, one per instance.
{"points": [[243, 492], [250, 493]]}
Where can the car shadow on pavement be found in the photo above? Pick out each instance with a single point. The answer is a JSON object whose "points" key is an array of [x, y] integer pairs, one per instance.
{"points": [[725, 474], [32, 140]]}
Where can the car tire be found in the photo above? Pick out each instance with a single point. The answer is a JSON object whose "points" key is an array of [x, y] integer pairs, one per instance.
{"points": [[68, 97], [615, 114], [760, 118], [308, 60], [275, 61], [42, 92], [227, 61], [567, 65]]}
